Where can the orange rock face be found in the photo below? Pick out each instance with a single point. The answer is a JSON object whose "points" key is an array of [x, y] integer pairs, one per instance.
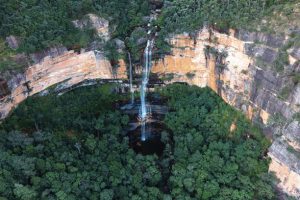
{"points": [[233, 127], [187, 63], [212, 75], [289, 180], [188, 57], [71, 68], [264, 116]]}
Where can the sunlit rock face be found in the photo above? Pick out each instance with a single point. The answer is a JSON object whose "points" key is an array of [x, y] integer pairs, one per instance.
{"points": [[187, 57], [70, 68], [250, 83], [286, 163]]}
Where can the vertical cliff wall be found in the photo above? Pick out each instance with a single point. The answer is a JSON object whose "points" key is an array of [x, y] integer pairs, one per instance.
{"points": [[247, 78], [70, 68]]}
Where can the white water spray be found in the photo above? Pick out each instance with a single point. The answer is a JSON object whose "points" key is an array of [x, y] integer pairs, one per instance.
{"points": [[130, 79], [144, 111], [98, 58]]}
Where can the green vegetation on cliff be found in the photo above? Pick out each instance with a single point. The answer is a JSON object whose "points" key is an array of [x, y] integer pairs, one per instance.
{"points": [[43, 24], [72, 147], [77, 110], [190, 15], [6, 58]]}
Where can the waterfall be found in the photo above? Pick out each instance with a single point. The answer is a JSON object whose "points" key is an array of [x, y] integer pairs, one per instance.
{"points": [[144, 111], [98, 58], [130, 79], [143, 131]]}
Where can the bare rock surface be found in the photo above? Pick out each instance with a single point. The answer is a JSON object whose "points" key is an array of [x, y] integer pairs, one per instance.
{"points": [[13, 42], [242, 83], [253, 87], [92, 21]]}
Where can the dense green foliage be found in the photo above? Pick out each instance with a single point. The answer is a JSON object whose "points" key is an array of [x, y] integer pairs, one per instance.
{"points": [[190, 15], [71, 147], [77, 110], [6, 58], [42, 24], [210, 161]]}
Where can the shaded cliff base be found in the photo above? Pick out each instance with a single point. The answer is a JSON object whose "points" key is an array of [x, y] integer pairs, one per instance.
{"points": [[69, 68], [242, 67], [254, 72]]}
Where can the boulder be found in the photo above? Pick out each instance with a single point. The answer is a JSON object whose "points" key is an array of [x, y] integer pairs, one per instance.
{"points": [[138, 36], [296, 95], [141, 41], [92, 21], [13, 42], [292, 133], [296, 53], [120, 44], [146, 19], [52, 52]]}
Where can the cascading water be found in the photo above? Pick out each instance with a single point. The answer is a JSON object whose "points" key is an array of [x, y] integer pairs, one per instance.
{"points": [[146, 73], [146, 126], [144, 109], [98, 58], [130, 79]]}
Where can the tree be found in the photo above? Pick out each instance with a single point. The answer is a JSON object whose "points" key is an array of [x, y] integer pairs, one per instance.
{"points": [[24, 193], [107, 194]]}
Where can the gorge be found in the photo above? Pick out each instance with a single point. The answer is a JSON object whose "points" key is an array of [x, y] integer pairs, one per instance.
{"points": [[239, 65], [185, 61]]}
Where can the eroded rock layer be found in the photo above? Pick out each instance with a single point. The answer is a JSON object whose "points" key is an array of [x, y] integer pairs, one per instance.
{"points": [[248, 81], [70, 68], [245, 78]]}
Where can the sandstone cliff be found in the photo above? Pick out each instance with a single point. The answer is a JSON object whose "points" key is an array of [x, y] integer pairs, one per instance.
{"points": [[69, 68], [247, 80]]}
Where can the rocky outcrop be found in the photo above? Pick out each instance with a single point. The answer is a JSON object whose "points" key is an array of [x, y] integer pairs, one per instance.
{"points": [[92, 21], [246, 79], [13, 42], [286, 165], [69, 68], [50, 52], [3, 88], [187, 57]]}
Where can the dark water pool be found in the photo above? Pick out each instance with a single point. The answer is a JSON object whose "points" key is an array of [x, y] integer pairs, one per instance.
{"points": [[153, 144]]}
